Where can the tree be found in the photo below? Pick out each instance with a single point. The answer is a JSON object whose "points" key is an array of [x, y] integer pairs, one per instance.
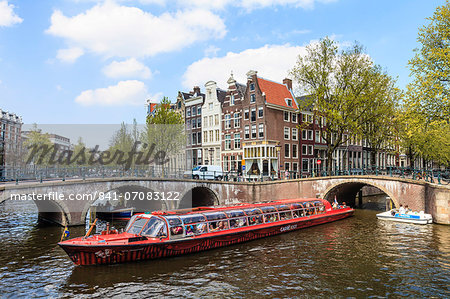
{"points": [[379, 129], [38, 147], [431, 66], [425, 113], [343, 87], [121, 145], [164, 131]]}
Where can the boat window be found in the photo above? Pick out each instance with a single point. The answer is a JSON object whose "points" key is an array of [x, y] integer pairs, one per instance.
{"points": [[194, 224], [252, 211], [309, 208], [320, 207], [175, 226], [285, 212], [235, 213], [130, 222], [155, 228], [272, 217], [255, 216], [238, 222], [218, 225], [268, 209], [192, 218], [196, 229], [282, 208], [215, 215], [297, 210], [137, 226]]}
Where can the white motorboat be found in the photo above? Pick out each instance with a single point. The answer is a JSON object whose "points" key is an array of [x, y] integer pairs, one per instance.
{"points": [[411, 217]]}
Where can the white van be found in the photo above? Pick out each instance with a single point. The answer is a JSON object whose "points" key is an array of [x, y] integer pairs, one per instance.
{"points": [[205, 172]]}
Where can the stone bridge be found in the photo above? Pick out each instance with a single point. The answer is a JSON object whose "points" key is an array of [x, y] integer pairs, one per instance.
{"points": [[67, 203]]}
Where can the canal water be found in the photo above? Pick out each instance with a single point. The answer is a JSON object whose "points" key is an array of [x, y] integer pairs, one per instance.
{"points": [[356, 257]]}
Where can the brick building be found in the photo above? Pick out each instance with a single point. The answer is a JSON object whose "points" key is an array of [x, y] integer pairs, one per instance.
{"points": [[212, 126], [10, 142], [270, 120], [232, 134], [193, 103]]}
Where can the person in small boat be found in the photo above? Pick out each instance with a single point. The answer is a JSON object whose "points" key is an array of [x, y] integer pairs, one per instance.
{"points": [[407, 210], [401, 210]]}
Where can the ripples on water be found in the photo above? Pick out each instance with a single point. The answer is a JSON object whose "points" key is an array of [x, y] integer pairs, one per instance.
{"points": [[356, 257]]}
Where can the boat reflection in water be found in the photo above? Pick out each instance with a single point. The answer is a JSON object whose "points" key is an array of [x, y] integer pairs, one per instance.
{"points": [[171, 233]]}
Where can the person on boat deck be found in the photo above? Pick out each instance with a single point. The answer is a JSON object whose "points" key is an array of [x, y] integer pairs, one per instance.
{"points": [[407, 209], [401, 210]]}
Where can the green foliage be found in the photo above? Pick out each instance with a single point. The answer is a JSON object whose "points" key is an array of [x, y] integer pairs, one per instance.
{"points": [[38, 147], [425, 114], [121, 142], [352, 94], [431, 66], [165, 130]]}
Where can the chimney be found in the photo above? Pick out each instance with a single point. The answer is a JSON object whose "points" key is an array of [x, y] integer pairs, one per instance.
{"points": [[196, 90], [288, 83]]}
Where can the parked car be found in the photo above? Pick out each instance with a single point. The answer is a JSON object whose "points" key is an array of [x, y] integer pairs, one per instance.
{"points": [[205, 172]]}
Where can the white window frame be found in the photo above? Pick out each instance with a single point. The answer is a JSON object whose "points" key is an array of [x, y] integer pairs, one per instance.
{"points": [[254, 133], [261, 130], [287, 132], [237, 119], [294, 152], [294, 115], [237, 140], [304, 150], [260, 109], [294, 134], [287, 146]]}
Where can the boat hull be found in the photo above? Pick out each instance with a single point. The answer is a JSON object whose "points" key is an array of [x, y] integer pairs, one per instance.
{"points": [[424, 219], [144, 250]]}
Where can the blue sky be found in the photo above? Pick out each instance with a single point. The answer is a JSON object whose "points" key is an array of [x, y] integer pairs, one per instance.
{"points": [[86, 61]]}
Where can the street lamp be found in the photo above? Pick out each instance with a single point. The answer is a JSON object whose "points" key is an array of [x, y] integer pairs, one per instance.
{"points": [[278, 149]]}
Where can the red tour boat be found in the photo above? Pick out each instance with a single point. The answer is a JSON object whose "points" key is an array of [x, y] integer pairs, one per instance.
{"points": [[170, 233]]}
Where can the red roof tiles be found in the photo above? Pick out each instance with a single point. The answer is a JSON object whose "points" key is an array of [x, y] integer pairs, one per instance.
{"points": [[276, 93]]}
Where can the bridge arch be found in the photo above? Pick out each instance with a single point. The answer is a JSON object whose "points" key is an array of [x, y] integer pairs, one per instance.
{"points": [[134, 191], [348, 189], [199, 196], [55, 211]]}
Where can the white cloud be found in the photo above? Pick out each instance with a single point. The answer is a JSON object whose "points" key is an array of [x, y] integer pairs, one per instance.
{"points": [[110, 29], [130, 68], [131, 92], [271, 61], [7, 15], [69, 55]]}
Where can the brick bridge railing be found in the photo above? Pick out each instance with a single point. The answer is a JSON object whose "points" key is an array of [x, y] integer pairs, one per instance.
{"points": [[419, 195]]}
